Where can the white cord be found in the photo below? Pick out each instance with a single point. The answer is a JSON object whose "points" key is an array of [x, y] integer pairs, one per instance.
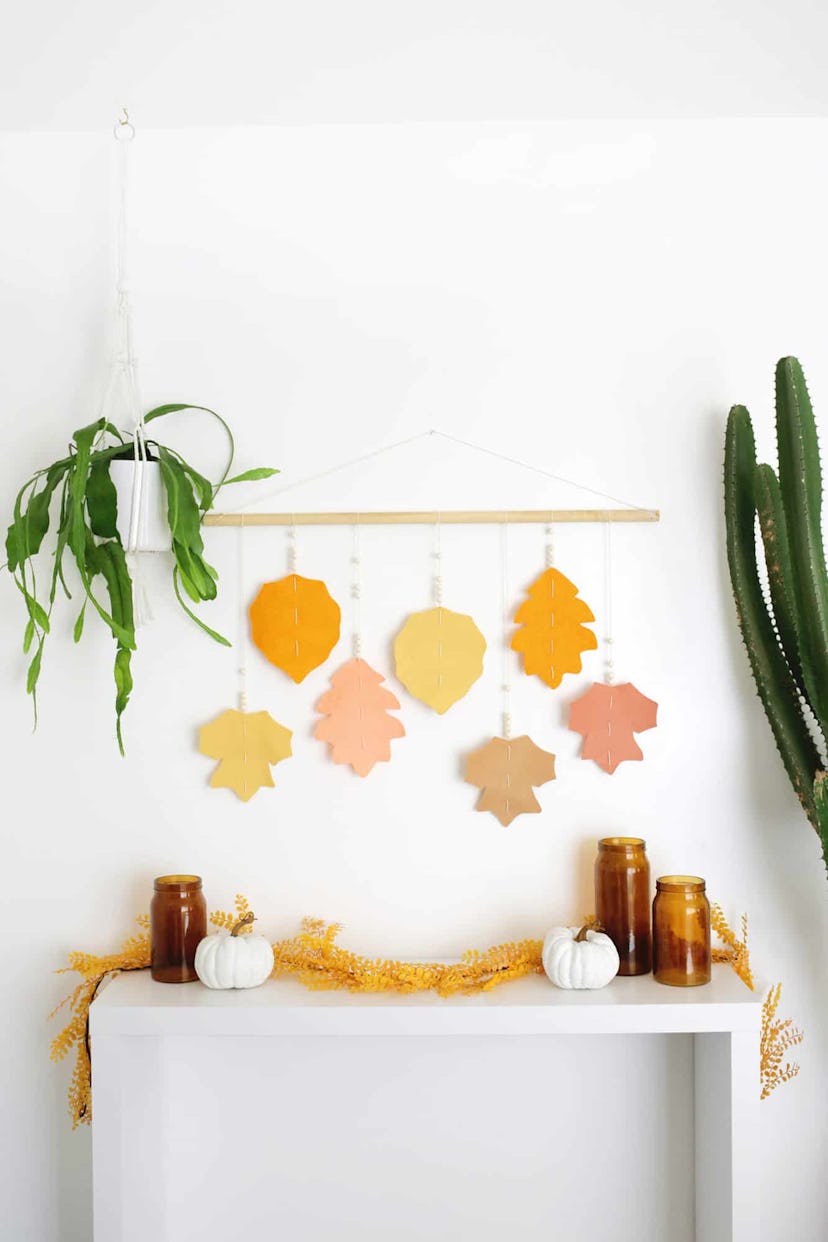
{"points": [[609, 640], [356, 592], [506, 685], [437, 584], [549, 551], [242, 614], [292, 555]]}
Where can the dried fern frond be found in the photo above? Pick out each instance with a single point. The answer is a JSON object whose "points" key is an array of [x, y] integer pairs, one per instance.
{"points": [[777, 1038], [134, 954], [736, 952], [226, 921], [316, 960]]}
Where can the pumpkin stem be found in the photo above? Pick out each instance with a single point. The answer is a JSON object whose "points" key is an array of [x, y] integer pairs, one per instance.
{"points": [[245, 922]]}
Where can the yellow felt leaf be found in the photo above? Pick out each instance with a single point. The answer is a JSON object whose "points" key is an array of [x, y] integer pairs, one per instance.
{"points": [[552, 635], [439, 656], [246, 743], [295, 623]]}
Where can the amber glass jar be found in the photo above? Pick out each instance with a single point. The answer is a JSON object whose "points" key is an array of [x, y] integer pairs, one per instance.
{"points": [[178, 921], [622, 900], [681, 931]]}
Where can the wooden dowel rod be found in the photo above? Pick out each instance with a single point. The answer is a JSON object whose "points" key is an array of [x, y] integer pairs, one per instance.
{"points": [[428, 517]]}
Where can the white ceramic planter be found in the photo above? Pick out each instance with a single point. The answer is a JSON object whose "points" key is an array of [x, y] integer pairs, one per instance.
{"points": [[131, 480]]}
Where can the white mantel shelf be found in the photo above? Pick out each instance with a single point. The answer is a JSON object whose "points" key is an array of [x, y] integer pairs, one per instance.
{"points": [[352, 1132], [134, 1005]]}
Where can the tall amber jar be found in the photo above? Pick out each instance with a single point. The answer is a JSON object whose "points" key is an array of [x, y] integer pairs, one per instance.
{"points": [[178, 921], [622, 900], [681, 931]]}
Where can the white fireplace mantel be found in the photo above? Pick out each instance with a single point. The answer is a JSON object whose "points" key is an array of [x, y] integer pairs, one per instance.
{"points": [[454, 1096]]}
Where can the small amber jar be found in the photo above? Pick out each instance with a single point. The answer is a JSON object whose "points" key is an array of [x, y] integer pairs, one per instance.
{"points": [[178, 921], [622, 900], [681, 931]]}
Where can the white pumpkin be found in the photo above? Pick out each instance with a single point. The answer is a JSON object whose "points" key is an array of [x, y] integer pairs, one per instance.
{"points": [[584, 958], [234, 961]]}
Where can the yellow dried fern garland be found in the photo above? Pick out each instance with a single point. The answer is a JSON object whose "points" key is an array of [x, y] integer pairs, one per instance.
{"points": [[314, 958]]}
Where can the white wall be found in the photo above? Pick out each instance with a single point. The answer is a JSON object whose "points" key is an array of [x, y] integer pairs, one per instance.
{"points": [[589, 297]]}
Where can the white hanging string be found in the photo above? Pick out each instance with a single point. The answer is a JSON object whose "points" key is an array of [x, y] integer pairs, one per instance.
{"points": [[443, 435], [292, 556], [549, 550], [506, 684], [356, 592], [437, 583], [241, 603], [123, 377], [609, 640]]}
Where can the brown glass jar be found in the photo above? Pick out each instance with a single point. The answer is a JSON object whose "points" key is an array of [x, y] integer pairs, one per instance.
{"points": [[622, 900], [681, 931], [178, 921]]}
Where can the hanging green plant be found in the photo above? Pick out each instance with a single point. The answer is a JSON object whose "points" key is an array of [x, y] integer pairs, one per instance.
{"points": [[90, 533]]}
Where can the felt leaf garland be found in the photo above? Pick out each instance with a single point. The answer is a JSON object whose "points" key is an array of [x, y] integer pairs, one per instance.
{"points": [[439, 656], [552, 636], [295, 624], [357, 724], [505, 769], [608, 717], [246, 743]]}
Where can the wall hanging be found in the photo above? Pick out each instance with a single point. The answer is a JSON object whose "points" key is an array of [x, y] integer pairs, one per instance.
{"points": [[609, 715], [105, 492], [357, 722], [438, 652]]}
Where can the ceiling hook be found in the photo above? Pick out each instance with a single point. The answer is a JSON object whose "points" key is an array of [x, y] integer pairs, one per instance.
{"points": [[124, 130]]}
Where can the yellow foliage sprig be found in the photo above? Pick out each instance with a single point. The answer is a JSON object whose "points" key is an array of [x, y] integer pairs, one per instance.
{"points": [[316, 960], [735, 952], [134, 954], [777, 1038], [227, 921]]}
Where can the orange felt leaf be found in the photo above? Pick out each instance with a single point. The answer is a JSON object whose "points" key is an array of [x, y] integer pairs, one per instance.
{"points": [[608, 717], [552, 636], [295, 623], [247, 743], [505, 769], [357, 724]]}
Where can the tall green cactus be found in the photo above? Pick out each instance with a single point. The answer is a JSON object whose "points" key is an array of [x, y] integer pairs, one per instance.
{"points": [[786, 635]]}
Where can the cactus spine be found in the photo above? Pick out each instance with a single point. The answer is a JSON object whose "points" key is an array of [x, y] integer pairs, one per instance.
{"points": [[786, 636]]}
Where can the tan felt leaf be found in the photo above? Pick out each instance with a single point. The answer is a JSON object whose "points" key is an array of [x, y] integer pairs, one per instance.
{"points": [[553, 635], [439, 656], [357, 724], [608, 717], [505, 770], [295, 623], [247, 744]]}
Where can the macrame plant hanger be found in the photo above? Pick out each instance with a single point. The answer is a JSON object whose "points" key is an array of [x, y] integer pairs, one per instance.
{"points": [[122, 389]]}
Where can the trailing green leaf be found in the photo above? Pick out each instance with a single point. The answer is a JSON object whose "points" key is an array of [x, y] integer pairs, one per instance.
{"points": [[102, 501], [251, 476], [219, 638]]}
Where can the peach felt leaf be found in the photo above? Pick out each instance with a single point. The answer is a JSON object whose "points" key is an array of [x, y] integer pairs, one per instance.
{"points": [[356, 722]]}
